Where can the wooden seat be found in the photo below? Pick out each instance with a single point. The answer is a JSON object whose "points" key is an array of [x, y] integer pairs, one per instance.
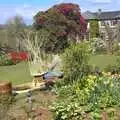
{"points": [[37, 79]]}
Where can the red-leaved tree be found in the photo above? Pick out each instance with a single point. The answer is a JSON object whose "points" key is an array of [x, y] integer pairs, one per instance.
{"points": [[61, 21]]}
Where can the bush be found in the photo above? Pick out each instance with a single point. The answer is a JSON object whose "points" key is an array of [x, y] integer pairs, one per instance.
{"points": [[75, 61], [5, 60], [12, 58], [116, 49]]}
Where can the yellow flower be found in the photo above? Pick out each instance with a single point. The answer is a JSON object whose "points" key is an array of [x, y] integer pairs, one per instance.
{"points": [[109, 73], [106, 82], [104, 73], [90, 76], [111, 85], [94, 77]]}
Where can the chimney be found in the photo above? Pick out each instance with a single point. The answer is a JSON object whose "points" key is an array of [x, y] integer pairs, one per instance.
{"points": [[99, 11]]}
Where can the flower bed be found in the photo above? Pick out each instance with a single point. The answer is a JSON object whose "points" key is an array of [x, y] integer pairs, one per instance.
{"points": [[13, 58], [94, 96]]}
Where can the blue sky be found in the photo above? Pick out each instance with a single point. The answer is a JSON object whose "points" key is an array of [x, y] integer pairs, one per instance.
{"points": [[28, 8]]}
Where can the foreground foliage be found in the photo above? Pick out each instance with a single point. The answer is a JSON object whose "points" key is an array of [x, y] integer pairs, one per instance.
{"points": [[91, 96], [84, 91]]}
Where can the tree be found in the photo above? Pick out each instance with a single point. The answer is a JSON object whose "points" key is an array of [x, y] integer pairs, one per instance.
{"points": [[63, 22], [15, 26], [94, 28]]}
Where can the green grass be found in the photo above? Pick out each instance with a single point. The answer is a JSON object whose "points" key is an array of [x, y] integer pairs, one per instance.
{"points": [[16, 73], [20, 73], [103, 60]]}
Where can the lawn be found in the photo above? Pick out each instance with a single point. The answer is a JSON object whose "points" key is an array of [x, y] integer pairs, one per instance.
{"points": [[103, 60], [20, 73], [16, 73]]}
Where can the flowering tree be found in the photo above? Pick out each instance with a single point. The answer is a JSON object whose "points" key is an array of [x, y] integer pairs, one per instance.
{"points": [[62, 21]]}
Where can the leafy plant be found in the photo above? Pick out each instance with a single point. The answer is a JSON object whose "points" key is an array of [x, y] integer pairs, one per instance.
{"points": [[6, 60], [75, 61]]}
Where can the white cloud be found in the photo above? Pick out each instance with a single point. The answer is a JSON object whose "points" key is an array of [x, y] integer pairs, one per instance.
{"points": [[26, 5], [100, 1], [69, 1], [27, 11], [93, 1]]}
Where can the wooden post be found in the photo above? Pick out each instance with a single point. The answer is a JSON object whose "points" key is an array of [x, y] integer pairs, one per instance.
{"points": [[5, 87]]}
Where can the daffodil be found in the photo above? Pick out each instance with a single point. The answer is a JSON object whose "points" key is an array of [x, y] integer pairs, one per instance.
{"points": [[109, 73], [106, 82]]}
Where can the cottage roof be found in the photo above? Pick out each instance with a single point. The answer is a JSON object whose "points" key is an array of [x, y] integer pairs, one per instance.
{"points": [[88, 15], [102, 15]]}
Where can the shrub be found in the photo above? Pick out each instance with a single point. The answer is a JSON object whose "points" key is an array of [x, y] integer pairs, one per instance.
{"points": [[6, 60], [12, 58], [116, 49], [18, 56], [75, 61]]}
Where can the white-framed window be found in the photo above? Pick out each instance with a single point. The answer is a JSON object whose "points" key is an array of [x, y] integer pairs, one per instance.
{"points": [[114, 22], [102, 23], [108, 22]]}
